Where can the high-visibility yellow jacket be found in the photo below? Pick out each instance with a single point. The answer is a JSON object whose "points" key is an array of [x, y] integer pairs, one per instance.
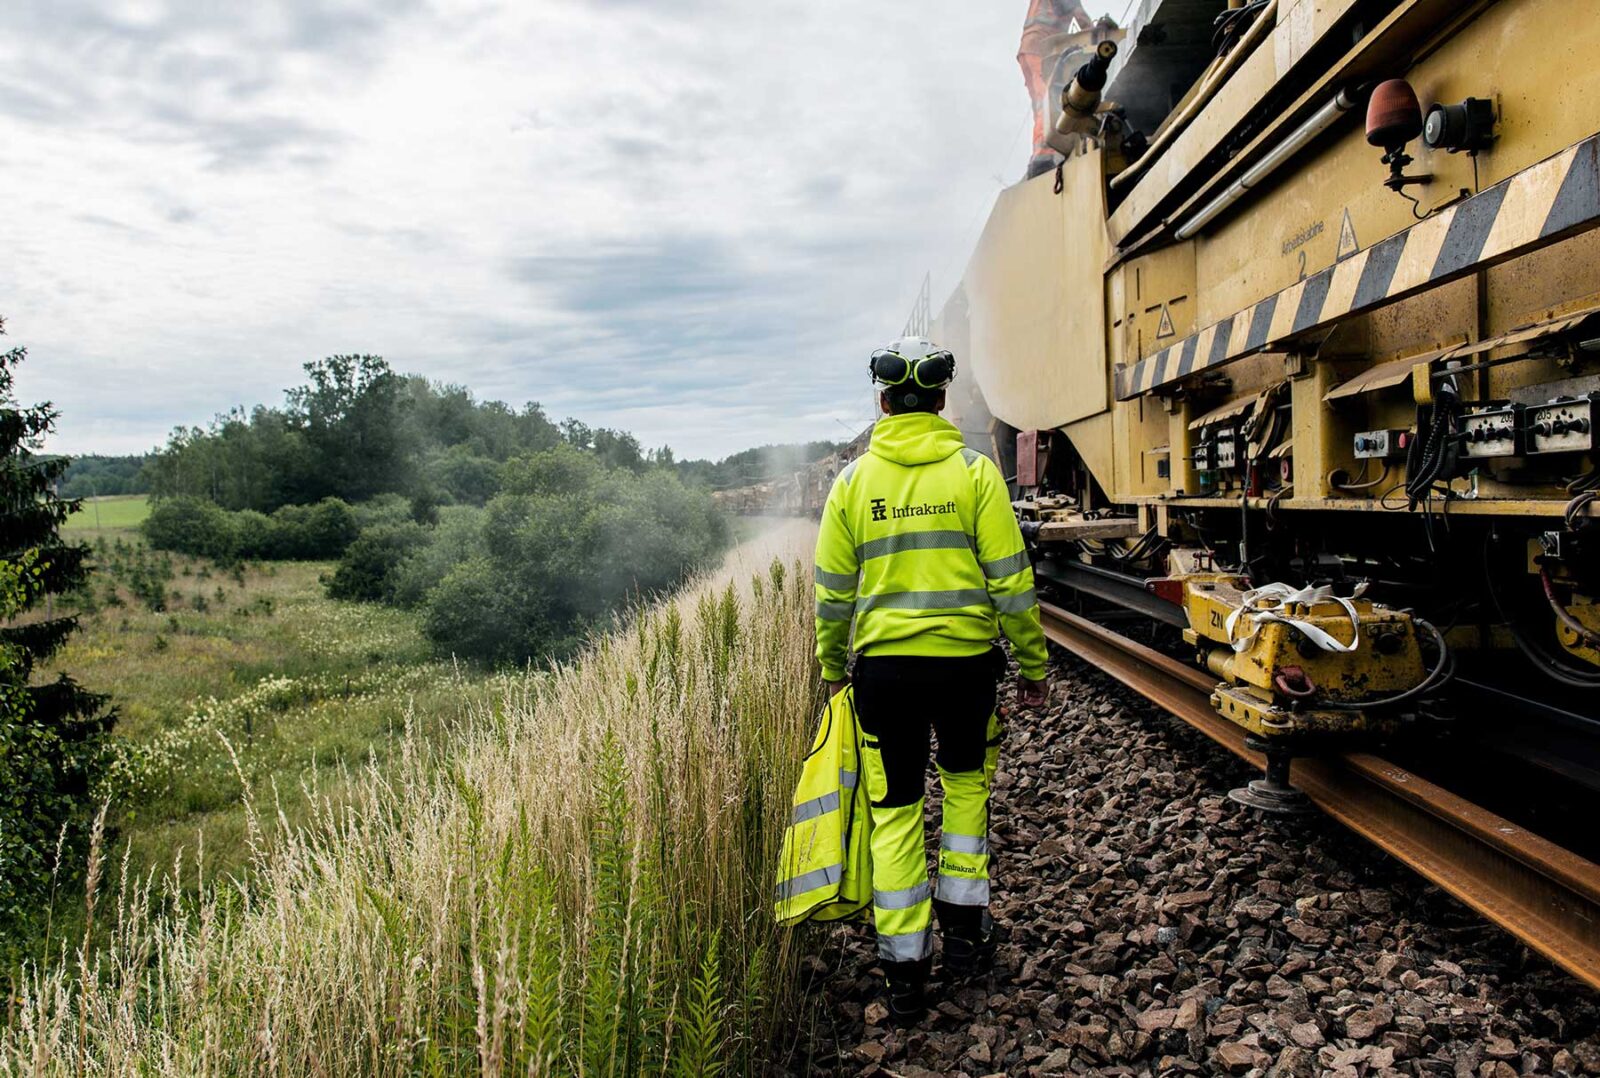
{"points": [[825, 868], [920, 551]]}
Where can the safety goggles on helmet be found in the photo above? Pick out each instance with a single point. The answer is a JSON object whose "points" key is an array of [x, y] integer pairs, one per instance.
{"points": [[933, 370]]}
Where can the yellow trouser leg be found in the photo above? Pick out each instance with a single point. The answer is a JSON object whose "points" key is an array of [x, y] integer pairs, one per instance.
{"points": [[901, 900], [964, 831], [902, 906]]}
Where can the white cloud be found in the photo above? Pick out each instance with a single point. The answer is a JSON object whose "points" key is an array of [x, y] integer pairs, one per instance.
{"points": [[690, 219]]}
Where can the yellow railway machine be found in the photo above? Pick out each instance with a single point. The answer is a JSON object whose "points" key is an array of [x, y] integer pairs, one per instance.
{"points": [[1298, 352]]}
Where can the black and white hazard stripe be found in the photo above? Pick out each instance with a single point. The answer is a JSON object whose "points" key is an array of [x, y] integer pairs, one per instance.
{"points": [[1547, 202]]}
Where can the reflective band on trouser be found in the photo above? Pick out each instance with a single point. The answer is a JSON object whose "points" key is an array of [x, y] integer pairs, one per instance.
{"points": [[963, 892], [991, 755], [809, 881], [909, 947], [902, 900], [964, 838], [902, 906], [963, 843]]}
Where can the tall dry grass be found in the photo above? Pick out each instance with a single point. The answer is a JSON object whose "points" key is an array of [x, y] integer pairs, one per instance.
{"points": [[578, 883]]}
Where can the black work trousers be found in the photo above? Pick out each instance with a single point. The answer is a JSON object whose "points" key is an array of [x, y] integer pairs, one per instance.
{"points": [[904, 701]]}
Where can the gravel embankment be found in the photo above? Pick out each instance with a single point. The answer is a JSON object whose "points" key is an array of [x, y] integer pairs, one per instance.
{"points": [[1152, 926]]}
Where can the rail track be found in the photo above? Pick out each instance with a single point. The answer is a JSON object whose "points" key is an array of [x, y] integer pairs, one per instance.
{"points": [[1546, 896]]}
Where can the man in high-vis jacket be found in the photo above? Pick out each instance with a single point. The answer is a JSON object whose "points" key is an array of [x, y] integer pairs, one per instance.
{"points": [[920, 555]]}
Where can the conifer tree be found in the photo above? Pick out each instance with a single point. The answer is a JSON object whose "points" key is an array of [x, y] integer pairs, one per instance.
{"points": [[52, 731]]}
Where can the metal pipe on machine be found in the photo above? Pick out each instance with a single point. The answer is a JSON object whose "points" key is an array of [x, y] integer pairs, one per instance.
{"points": [[1080, 98], [1301, 137]]}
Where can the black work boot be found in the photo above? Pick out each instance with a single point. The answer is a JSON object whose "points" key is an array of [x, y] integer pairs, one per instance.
{"points": [[968, 939], [968, 952], [907, 991]]}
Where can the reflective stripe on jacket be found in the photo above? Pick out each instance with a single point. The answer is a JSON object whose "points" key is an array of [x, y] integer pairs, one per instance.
{"points": [[920, 551], [825, 867]]}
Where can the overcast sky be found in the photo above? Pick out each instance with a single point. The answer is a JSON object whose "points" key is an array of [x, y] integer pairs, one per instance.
{"points": [[692, 219]]}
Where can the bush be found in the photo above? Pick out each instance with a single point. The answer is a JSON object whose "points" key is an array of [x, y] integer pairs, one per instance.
{"points": [[310, 532], [470, 614], [566, 545], [293, 533], [384, 509], [253, 534], [467, 478], [370, 567], [456, 538], [192, 526]]}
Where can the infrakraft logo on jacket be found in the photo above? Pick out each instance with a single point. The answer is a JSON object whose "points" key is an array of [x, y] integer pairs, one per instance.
{"points": [[881, 509]]}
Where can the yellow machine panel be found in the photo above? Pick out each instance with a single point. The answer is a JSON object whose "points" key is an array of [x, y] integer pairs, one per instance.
{"points": [[1038, 301], [1332, 321]]}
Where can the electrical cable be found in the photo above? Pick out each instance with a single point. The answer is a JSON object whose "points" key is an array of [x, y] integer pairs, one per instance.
{"points": [[1576, 506], [1542, 660], [1589, 480], [1231, 26], [1272, 505], [1589, 637], [1425, 457], [1444, 668], [1416, 206], [1336, 485], [1383, 499]]}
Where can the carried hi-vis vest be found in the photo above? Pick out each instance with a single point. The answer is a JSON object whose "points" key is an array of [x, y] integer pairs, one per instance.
{"points": [[919, 548], [825, 869]]}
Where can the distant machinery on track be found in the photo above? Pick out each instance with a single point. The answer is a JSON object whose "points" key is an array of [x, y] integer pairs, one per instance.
{"points": [[799, 493]]}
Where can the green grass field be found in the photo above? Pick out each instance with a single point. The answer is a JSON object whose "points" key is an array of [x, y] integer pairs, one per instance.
{"points": [[235, 686], [110, 513]]}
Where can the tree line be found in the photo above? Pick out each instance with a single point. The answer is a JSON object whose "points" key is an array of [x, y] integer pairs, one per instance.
{"points": [[511, 535], [356, 429]]}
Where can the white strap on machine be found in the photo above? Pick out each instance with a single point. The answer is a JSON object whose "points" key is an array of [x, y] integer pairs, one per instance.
{"points": [[1268, 603]]}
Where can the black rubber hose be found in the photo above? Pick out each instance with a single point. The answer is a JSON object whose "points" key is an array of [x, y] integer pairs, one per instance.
{"points": [[1542, 660], [1444, 669]]}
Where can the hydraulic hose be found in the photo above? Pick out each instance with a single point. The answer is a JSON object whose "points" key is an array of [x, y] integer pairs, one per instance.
{"points": [[1542, 660], [1586, 634], [1444, 668]]}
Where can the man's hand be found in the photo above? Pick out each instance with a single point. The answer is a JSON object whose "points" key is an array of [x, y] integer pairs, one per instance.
{"points": [[1032, 694], [832, 687]]}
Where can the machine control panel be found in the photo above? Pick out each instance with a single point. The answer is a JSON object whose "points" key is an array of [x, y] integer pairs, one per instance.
{"points": [[1217, 450], [1562, 426], [1227, 450], [1493, 432], [1382, 444]]}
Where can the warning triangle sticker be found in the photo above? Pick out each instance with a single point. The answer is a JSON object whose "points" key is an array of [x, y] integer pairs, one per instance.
{"points": [[1164, 328], [1347, 237]]}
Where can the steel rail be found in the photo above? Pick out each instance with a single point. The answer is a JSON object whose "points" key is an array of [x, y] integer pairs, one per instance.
{"points": [[1546, 896]]}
